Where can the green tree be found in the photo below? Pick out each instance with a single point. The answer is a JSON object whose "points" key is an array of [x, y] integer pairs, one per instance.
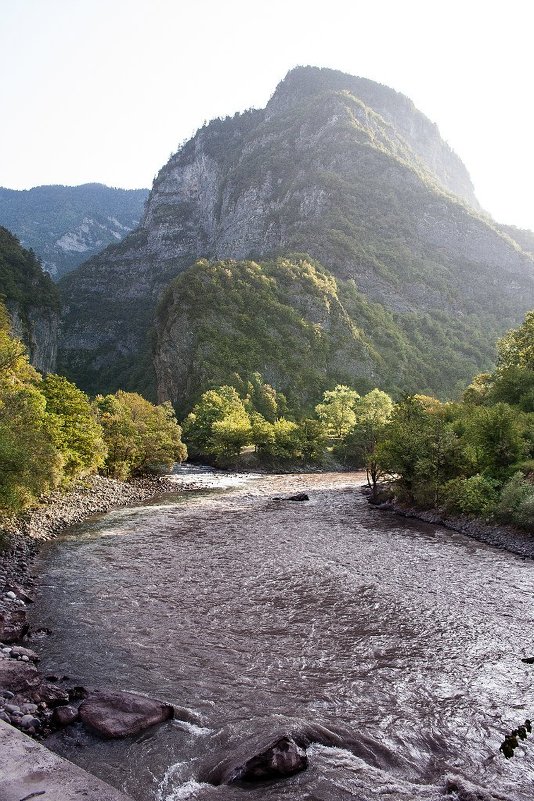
{"points": [[373, 412], [140, 437], [218, 424], [337, 410], [73, 426], [29, 462]]}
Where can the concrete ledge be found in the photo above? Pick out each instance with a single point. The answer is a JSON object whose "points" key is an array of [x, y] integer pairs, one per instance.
{"points": [[30, 771]]}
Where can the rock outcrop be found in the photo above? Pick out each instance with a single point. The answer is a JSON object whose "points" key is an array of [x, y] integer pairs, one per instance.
{"points": [[31, 300]]}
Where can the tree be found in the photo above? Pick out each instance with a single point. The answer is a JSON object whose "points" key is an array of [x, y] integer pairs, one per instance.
{"points": [[218, 423], [140, 437], [338, 409], [373, 412], [29, 462], [73, 426]]}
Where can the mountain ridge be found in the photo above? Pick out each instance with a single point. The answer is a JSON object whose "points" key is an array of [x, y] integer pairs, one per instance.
{"points": [[323, 174]]}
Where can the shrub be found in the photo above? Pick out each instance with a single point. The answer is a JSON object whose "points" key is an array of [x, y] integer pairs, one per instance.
{"points": [[476, 495]]}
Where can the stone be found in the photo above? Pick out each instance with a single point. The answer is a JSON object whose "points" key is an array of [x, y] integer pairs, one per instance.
{"points": [[11, 596], [282, 757], [64, 715], [120, 714], [51, 694], [18, 677], [29, 721], [18, 650], [5, 717], [300, 496], [19, 593], [29, 708], [13, 625]]}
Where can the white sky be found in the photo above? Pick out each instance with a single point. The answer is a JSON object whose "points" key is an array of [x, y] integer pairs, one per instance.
{"points": [[106, 90]]}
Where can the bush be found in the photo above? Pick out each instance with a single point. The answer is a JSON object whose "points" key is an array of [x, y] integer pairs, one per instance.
{"points": [[516, 504], [476, 495]]}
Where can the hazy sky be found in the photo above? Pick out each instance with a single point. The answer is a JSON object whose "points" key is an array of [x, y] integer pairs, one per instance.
{"points": [[106, 90]]}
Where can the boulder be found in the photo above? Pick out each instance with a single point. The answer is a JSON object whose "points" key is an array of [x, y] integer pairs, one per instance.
{"points": [[282, 757], [120, 714], [13, 625], [18, 677]]}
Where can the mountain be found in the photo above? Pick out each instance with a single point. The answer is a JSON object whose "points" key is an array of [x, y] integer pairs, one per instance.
{"points": [[31, 299], [65, 225], [339, 168]]}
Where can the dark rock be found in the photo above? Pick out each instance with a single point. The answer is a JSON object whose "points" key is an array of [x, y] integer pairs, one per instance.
{"points": [[13, 625], [282, 757], [64, 715], [300, 496], [77, 693], [51, 694], [119, 714], [529, 660], [18, 677]]}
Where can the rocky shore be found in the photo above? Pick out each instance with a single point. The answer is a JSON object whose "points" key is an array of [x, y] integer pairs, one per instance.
{"points": [[34, 703], [508, 538]]}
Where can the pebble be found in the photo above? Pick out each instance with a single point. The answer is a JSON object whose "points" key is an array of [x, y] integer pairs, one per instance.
{"points": [[7, 693], [5, 717], [29, 708], [11, 596], [12, 708]]}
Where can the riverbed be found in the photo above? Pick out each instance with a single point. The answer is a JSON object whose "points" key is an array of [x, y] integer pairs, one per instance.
{"points": [[264, 616]]}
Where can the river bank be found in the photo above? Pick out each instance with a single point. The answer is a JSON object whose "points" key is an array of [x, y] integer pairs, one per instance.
{"points": [[508, 538], [26, 697]]}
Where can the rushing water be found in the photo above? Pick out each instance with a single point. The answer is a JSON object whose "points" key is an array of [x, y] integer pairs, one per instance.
{"points": [[263, 616]]}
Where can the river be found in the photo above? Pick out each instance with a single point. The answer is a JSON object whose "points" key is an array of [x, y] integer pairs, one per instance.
{"points": [[263, 616]]}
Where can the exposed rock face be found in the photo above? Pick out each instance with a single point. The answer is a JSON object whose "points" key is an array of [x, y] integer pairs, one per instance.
{"points": [[38, 329], [338, 167], [31, 300], [119, 714]]}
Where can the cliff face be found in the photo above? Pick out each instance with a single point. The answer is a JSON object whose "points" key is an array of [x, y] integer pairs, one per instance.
{"points": [[66, 225], [338, 167], [31, 300], [38, 329]]}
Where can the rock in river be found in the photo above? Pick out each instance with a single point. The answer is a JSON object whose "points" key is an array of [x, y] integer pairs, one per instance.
{"points": [[119, 714], [282, 757]]}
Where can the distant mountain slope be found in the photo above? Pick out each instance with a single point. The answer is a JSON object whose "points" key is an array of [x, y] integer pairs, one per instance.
{"points": [[32, 301], [65, 225], [340, 168]]}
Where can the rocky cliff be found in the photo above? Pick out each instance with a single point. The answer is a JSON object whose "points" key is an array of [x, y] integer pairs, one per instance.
{"points": [[66, 225], [340, 168], [31, 300]]}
